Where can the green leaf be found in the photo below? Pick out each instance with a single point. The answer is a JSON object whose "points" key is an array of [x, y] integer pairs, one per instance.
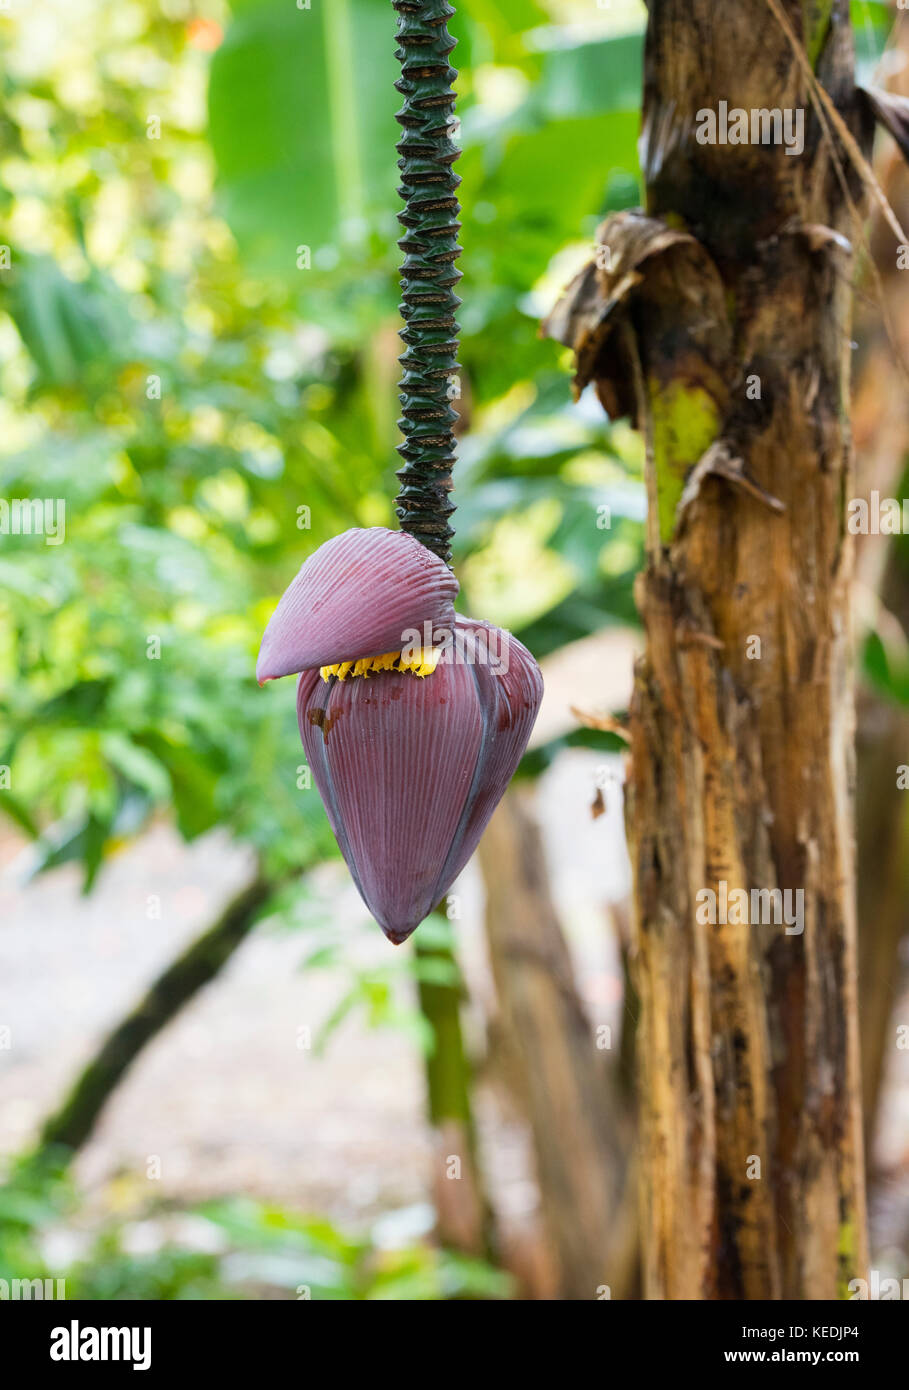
{"points": [[137, 765], [301, 121], [582, 79], [85, 841], [871, 25], [19, 813], [532, 213], [504, 22], [69, 329], [195, 792], [886, 669]]}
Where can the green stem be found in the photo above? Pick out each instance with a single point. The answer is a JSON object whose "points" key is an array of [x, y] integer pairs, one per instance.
{"points": [[463, 1215], [447, 1072]]}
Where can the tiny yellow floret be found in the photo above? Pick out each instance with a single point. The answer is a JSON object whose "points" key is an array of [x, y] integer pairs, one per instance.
{"points": [[419, 661]]}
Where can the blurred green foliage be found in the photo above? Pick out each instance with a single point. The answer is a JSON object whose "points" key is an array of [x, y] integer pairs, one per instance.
{"points": [[230, 1249]]}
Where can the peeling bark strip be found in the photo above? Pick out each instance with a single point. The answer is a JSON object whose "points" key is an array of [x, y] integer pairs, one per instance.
{"points": [[728, 305]]}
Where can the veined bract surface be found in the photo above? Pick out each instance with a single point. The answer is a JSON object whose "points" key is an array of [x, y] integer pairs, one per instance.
{"points": [[411, 746]]}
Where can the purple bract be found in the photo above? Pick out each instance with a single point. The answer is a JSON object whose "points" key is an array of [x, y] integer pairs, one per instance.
{"points": [[409, 767]]}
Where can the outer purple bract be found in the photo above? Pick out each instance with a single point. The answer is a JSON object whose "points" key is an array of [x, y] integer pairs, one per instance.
{"points": [[409, 768], [355, 596]]}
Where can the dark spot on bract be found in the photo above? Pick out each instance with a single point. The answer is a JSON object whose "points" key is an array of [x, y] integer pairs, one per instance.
{"points": [[322, 719]]}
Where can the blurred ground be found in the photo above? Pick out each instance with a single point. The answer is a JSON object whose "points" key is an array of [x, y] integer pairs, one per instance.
{"points": [[225, 1097]]}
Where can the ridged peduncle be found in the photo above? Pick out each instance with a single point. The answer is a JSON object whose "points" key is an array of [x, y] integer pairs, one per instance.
{"points": [[428, 273]]}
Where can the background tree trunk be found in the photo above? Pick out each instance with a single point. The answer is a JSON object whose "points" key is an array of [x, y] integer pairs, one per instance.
{"points": [[883, 882], [732, 303], [881, 424], [580, 1132]]}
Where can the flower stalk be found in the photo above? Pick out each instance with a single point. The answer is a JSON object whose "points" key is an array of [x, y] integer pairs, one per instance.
{"points": [[428, 273], [411, 745]]}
